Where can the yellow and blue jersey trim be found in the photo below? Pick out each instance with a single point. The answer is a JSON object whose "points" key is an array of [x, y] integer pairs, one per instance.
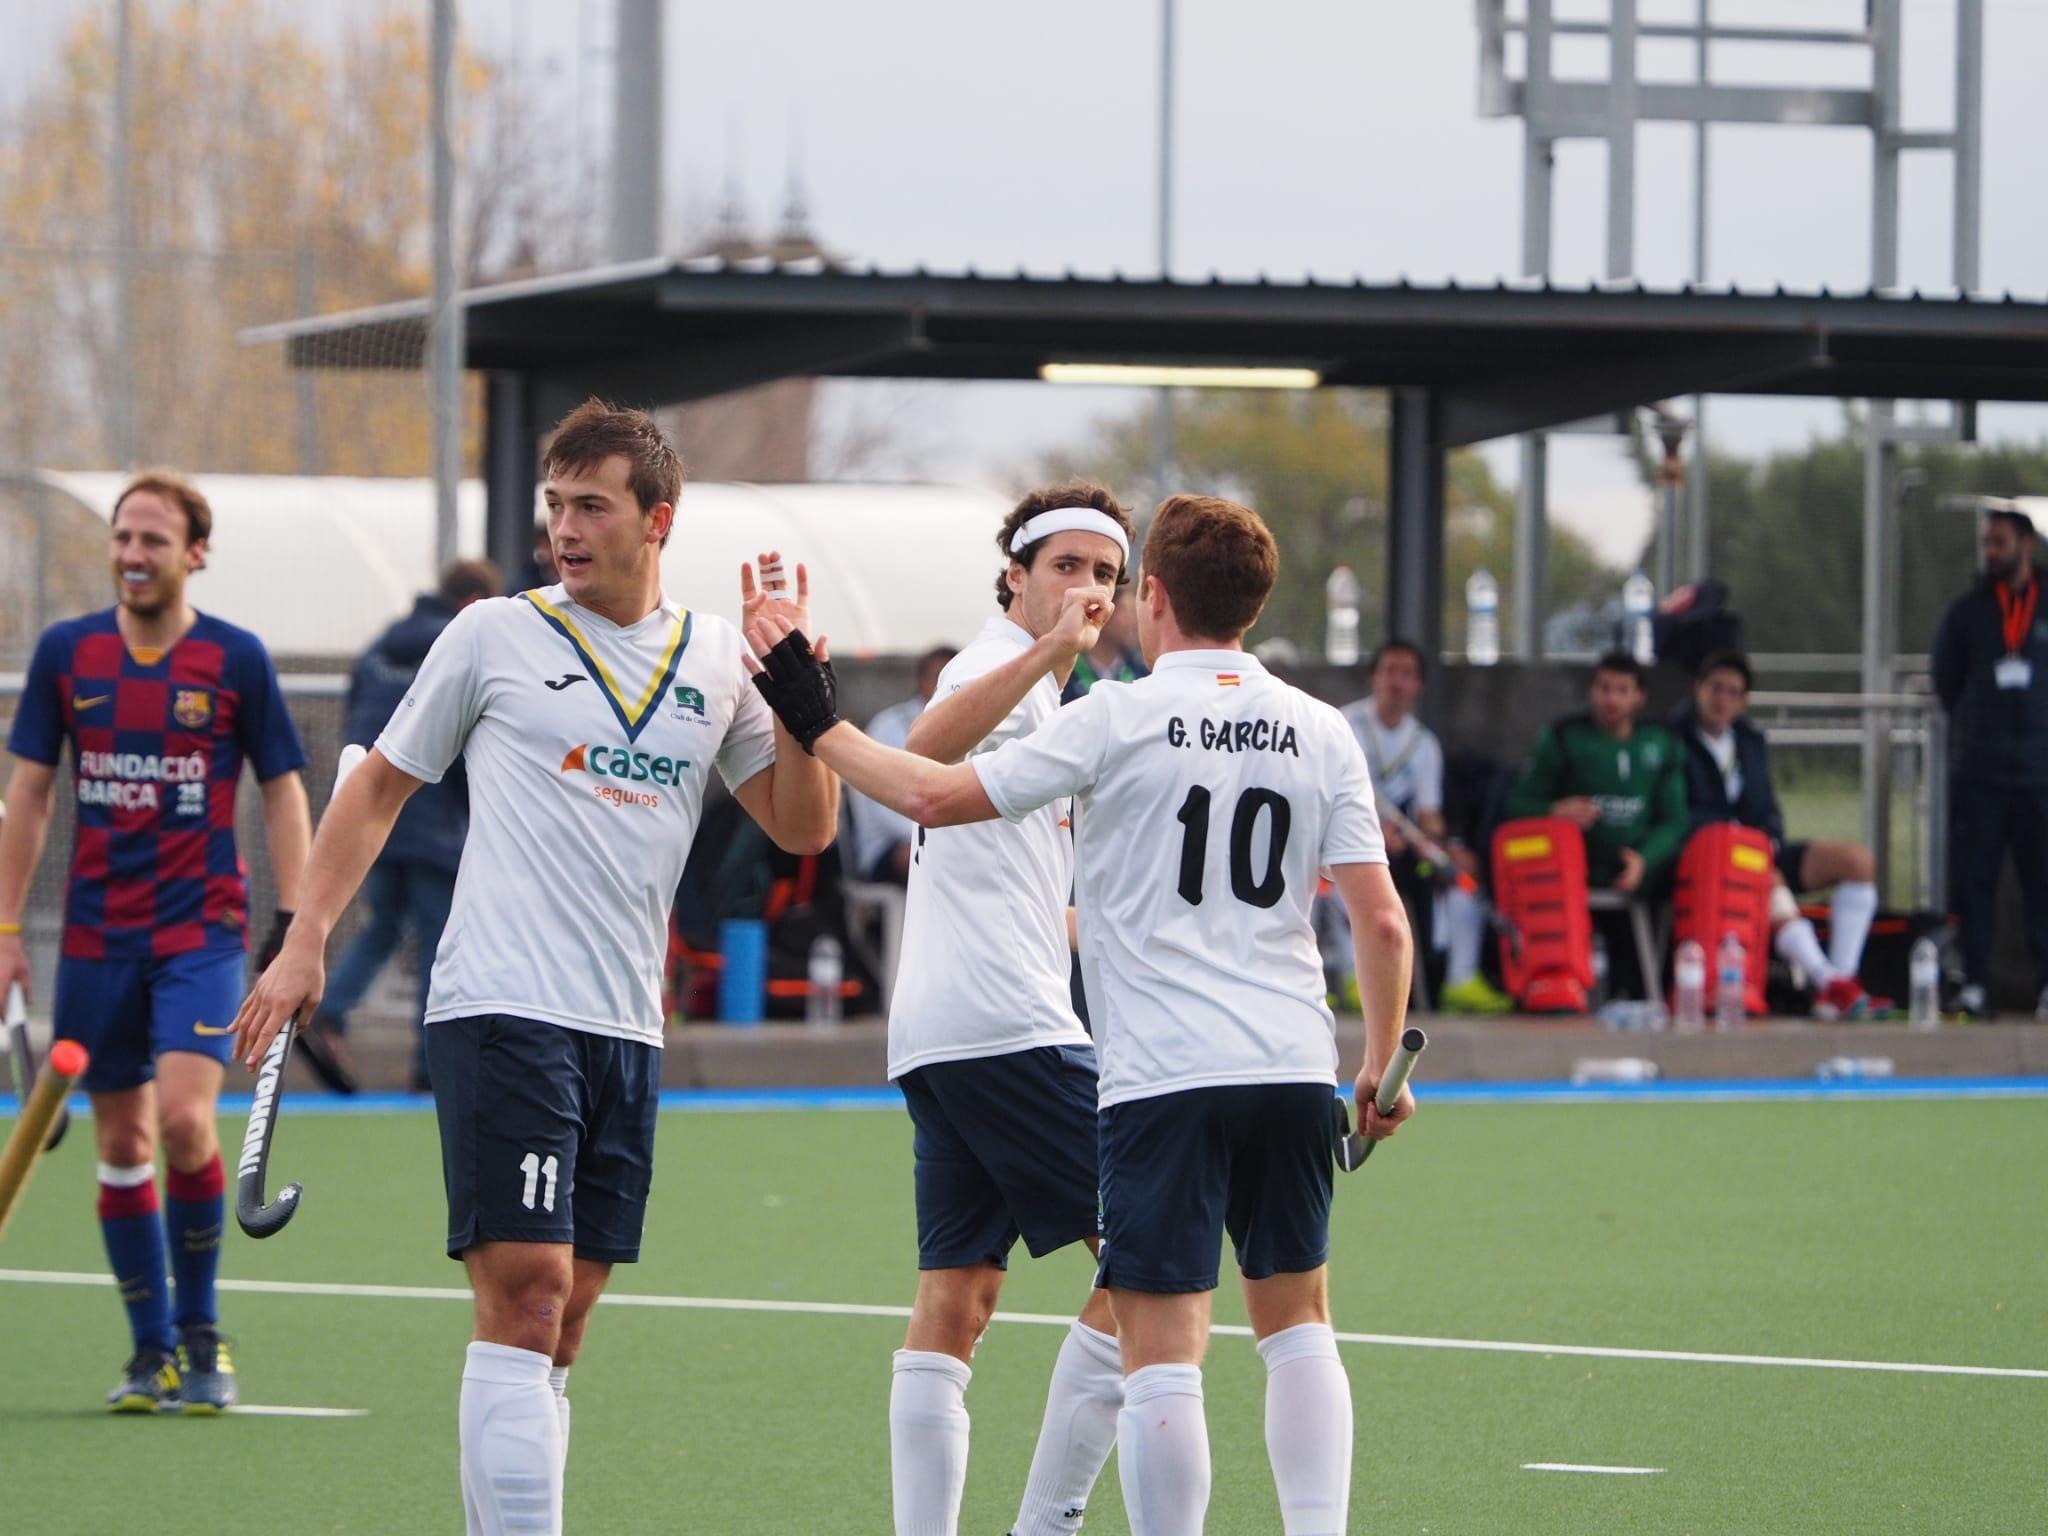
{"points": [[633, 716]]}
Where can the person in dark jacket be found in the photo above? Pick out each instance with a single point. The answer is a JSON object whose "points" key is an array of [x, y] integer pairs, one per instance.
{"points": [[1991, 673], [1728, 778], [413, 881]]}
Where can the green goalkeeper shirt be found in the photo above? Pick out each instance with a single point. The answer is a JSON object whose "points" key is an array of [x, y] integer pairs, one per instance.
{"points": [[1638, 786]]}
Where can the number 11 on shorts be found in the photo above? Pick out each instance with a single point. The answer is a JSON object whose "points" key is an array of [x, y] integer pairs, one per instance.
{"points": [[535, 1170]]}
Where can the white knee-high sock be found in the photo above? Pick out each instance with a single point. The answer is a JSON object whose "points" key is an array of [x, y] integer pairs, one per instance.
{"points": [[1850, 912], [511, 1443], [1081, 1406], [1163, 1451], [1466, 922], [928, 1441], [1308, 1428], [1799, 945], [558, 1378]]}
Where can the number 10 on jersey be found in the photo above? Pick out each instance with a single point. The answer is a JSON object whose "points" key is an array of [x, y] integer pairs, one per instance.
{"points": [[1257, 889]]}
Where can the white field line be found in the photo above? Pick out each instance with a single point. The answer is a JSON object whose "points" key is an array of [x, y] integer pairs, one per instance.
{"points": [[1573, 1466], [1057, 1320], [277, 1411]]}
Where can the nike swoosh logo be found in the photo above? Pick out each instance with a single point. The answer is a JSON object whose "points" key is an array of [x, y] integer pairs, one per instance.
{"points": [[208, 1029], [559, 683], [98, 698]]}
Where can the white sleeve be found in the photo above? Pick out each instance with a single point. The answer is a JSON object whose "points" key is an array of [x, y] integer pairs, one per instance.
{"points": [[1353, 834], [1062, 757], [426, 732], [1429, 774], [978, 660], [749, 744]]}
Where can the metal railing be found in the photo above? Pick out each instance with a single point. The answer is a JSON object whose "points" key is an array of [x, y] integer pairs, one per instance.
{"points": [[1914, 782]]}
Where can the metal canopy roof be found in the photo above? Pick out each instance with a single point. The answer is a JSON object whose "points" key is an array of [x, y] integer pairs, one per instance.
{"points": [[1497, 360]]}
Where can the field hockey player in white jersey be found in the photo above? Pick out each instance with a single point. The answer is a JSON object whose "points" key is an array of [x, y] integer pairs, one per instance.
{"points": [[998, 1074], [589, 716], [1208, 796]]}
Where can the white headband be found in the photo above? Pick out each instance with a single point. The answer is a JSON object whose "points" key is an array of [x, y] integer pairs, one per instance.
{"points": [[1071, 520]]}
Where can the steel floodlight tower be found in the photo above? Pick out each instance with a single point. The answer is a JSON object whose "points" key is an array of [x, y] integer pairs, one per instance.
{"points": [[1553, 109]]}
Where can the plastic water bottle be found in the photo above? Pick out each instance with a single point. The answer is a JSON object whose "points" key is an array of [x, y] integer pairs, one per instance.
{"points": [[827, 971], [1923, 996], [1340, 636], [1837, 1069], [1601, 968], [1638, 599], [1613, 1069], [1731, 983], [1689, 988], [1482, 619]]}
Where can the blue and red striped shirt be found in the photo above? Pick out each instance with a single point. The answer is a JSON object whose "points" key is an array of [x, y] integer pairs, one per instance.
{"points": [[157, 751]]}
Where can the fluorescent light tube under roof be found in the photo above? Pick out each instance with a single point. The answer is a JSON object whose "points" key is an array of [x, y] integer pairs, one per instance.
{"points": [[1166, 375]]}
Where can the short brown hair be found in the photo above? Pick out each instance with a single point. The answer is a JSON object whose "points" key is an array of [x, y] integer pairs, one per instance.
{"points": [[180, 492], [1217, 561], [1068, 493], [467, 580], [598, 430]]}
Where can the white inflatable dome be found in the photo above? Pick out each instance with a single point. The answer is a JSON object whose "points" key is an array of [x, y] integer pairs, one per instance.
{"points": [[316, 566]]}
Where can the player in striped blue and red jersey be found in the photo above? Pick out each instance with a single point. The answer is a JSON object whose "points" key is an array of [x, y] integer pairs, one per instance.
{"points": [[160, 706]]}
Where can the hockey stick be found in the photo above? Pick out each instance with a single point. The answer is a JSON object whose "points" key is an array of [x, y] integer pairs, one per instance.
{"points": [[23, 1061], [256, 1217], [1444, 869], [1354, 1147], [39, 1111]]}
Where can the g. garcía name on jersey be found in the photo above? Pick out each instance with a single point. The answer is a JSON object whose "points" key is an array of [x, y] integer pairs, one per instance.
{"points": [[622, 765], [1233, 735], [128, 780]]}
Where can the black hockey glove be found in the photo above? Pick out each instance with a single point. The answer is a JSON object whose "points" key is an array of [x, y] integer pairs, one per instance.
{"points": [[800, 688]]}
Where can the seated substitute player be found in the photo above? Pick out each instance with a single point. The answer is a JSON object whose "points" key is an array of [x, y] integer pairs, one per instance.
{"points": [[1208, 795], [161, 705], [589, 715], [1728, 778], [998, 1073]]}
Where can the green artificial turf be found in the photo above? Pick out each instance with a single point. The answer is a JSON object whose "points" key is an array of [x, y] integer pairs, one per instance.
{"points": [[1898, 1231]]}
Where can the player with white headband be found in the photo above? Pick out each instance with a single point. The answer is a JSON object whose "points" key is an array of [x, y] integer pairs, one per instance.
{"points": [[998, 1073]]}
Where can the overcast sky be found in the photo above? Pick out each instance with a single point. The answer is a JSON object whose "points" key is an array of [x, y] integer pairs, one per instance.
{"points": [[1336, 137]]}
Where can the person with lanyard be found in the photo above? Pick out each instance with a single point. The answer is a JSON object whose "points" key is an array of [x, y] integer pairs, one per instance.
{"points": [[1407, 764], [1991, 673]]}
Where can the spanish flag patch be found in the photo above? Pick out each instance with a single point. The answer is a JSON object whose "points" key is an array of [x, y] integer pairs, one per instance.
{"points": [[1226, 679]]}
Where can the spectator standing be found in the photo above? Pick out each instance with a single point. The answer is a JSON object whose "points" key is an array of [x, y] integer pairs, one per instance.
{"points": [[881, 840], [1991, 673], [412, 883]]}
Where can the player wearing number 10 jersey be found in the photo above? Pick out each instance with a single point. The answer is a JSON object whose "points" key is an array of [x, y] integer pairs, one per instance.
{"points": [[1208, 797]]}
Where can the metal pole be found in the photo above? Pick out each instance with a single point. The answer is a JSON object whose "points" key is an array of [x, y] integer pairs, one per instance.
{"points": [[1698, 528], [1532, 499], [445, 328], [1880, 453], [1879, 456], [1162, 401], [1968, 152], [121, 417], [1621, 140], [637, 130], [305, 296]]}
